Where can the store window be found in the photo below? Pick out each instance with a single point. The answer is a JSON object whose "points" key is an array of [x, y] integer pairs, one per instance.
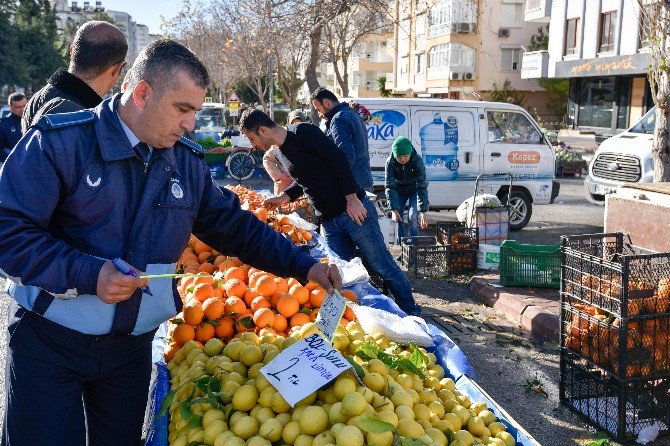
{"points": [[623, 102], [510, 59], [512, 13], [511, 128], [607, 31], [571, 30], [596, 101]]}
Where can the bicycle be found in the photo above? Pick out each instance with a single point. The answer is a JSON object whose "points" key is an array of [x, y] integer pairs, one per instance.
{"points": [[242, 162]]}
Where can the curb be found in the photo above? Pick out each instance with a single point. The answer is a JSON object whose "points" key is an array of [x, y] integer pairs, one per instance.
{"points": [[535, 310]]}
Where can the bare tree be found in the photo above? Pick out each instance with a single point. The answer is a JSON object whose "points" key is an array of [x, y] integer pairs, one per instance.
{"points": [[656, 23]]}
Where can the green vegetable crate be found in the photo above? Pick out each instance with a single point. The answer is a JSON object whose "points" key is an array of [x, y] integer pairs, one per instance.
{"points": [[530, 265]]}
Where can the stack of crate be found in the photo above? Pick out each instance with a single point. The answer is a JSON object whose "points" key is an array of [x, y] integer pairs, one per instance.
{"points": [[615, 333]]}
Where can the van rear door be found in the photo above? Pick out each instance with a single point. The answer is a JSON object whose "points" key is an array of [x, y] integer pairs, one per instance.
{"points": [[448, 141], [387, 122]]}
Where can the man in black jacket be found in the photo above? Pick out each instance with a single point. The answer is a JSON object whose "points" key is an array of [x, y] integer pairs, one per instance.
{"points": [[97, 56]]}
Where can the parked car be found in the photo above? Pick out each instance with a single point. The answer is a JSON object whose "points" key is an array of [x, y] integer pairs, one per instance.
{"points": [[4, 111], [623, 158], [460, 140], [210, 121]]}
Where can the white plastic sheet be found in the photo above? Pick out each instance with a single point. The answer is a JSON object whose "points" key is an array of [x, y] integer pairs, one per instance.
{"points": [[403, 330]]}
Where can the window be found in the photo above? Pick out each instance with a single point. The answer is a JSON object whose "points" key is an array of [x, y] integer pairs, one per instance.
{"points": [[571, 28], [439, 56], [418, 63], [451, 54], [512, 13], [439, 18], [511, 128], [420, 25], [607, 31], [510, 59]]}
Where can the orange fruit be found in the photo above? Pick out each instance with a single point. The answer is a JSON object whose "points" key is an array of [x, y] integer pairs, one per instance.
{"points": [[193, 314], [170, 351], [203, 278], [349, 314], [266, 331], [260, 302], [261, 214], [349, 295], [292, 281], [219, 260], [213, 308], [344, 322], [306, 235], [264, 317], [287, 306], [204, 332], [281, 285], [234, 288], [226, 328], [316, 297], [218, 291], [185, 282], [313, 314], [280, 324], [311, 286], [234, 305], [245, 323], [249, 296], [299, 319], [203, 291], [199, 247], [235, 272], [183, 333], [266, 286], [254, 276], [275, 298], [300, 292], [206, 268], [203, 256]]}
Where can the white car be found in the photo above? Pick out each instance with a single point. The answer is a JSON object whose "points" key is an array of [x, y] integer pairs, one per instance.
{"points": [[623, 158]]}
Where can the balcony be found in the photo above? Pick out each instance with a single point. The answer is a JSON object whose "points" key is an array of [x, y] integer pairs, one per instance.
{"points": [[376, 62], [538, 11], [452, 73], [535, 65]]}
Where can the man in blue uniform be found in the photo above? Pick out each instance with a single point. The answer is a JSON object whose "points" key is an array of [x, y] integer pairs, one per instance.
{"points": [[10, 126], [115, 181]]}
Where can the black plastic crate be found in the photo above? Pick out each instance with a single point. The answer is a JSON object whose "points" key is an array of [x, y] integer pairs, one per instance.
{"points": [[621, 408], [623, 280], [628, 349], [456, 235], [423, 257], [461, 261]]}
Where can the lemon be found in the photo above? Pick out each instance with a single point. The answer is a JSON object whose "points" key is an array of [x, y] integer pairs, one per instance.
{"points": [[409, 428], [213, 429], [255, 370], [180, 441], [349, 436], [402, 398], [421, 412], [234, 418], [297, 413], [258, 441], [233, 349], [265, 397], [476, 426], [367, 393], [376, 366], [454, 420], [388, 417], [271, 429], [246, 427], [343, 386], [462, 412], [496, 442], [324, 439], [404, 412], [263, 414], [335, 414], [353, 404], [336, 428], [245, 398], [221, 439], [437, 437], [304, 440], [313, 421], [464, 437], [291, 432], [374, 381], [213, 347], [379, 439], [237, 377], [196, 435], [380, 402], [487, 416], [285, 418], [211, 415], [495, 428], [279, 404], [507, 438], [235, 441]]}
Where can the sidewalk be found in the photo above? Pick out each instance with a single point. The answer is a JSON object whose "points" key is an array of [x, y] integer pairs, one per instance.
{"points": [[535, 310]]}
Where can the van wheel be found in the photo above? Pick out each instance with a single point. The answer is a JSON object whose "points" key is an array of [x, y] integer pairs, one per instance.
{"points": [[520, 209]]}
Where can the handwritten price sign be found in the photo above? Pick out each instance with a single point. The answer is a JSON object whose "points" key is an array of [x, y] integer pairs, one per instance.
{"points": [[330, 314], [304, 367]]}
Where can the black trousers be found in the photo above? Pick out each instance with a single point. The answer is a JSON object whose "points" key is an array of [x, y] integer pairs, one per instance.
{"points": [[63, 387]]}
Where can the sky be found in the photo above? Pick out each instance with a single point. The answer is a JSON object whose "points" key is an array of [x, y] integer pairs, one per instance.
{"points": [[146, 12]]}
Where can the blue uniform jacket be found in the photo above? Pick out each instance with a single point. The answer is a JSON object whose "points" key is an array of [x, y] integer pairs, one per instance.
{"points": [[74, 193], [10, 133], [349, 133]]}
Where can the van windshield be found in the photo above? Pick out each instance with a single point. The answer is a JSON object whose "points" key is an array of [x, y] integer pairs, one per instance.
{"points": [[647, 124], [209, 117]]}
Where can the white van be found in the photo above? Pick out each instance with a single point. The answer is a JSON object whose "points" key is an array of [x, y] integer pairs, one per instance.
{"points": [[623, 158], [459, 140]]}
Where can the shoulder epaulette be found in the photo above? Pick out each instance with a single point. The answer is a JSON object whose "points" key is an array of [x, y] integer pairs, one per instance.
{"points": [[194, 146], [60, 120]]}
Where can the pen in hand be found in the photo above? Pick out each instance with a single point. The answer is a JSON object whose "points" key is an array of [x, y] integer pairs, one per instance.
{"points": [[126, 269]]}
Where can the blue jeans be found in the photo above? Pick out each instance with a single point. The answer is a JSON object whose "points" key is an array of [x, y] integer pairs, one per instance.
{"points": [[343, 236], [413, 216]]}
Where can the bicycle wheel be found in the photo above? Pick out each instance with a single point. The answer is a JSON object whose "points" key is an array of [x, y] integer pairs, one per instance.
{"points": [[241, 165]]}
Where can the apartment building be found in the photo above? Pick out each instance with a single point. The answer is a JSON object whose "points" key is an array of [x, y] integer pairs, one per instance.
{"points": [[597, 44], [459, 48]]}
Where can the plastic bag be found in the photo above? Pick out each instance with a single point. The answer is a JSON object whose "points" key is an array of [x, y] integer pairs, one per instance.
{"points": [[352, 271], [464, 211], [299, 222], [403, 330]]}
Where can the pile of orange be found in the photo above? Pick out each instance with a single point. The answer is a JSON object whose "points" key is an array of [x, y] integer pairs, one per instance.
{"points": [[253, 201], [239, 298]]}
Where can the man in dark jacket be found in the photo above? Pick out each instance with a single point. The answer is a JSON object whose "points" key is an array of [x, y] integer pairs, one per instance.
{"points": [[347, 130], [406, 186], [10, 127], [118, 181], [97, 57]]}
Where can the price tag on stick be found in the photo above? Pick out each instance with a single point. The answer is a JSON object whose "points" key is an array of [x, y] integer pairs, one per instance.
{"points": [[304, 367], [330, 314]]}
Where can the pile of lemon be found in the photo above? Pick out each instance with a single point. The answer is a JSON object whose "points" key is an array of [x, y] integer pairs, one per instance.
{"points": [[220, 398]]}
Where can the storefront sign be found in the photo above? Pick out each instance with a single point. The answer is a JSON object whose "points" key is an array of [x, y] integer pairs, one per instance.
{"points": [[603, 66]]}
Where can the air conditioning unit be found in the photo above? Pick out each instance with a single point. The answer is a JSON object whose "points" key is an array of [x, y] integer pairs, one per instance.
{"points": [[468, 76], [454, 75], [465, 27], [504, 32]]}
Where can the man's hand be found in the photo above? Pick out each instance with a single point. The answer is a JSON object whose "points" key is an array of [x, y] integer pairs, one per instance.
{"points": [[395, 216], [114, 287], [275, 201], [423, 223], [356, 210], [327, 275]]}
